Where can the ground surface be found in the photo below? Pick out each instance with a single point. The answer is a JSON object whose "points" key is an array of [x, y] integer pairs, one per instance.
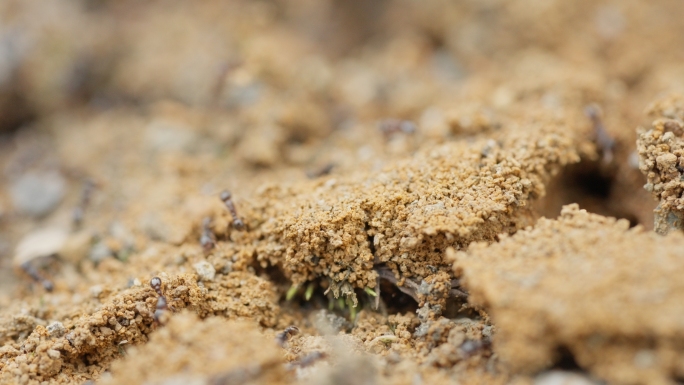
{"points": [[392, 165]]}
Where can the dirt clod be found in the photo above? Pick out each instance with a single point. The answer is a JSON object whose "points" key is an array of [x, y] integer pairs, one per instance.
{"points": [[570, 278]]}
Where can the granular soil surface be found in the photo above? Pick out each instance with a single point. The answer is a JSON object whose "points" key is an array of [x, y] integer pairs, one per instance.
{"points": [[341, 192]]}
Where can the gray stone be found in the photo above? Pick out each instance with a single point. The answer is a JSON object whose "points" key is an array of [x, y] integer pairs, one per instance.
{"points": [[99, 252], [56, 329], [329, 322], [152, 224], [37, 193], [164, 135]]}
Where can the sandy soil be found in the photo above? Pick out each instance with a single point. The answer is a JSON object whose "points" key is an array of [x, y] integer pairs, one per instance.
{"points": [[473, 192]]}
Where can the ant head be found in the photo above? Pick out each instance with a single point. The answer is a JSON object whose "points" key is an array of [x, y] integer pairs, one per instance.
{"points": [[225, 195], [156, 283], [239, 224]]}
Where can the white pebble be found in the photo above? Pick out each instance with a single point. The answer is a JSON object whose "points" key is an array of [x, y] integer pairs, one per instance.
{"points": [[559, 377], [40, 243], [56, 329], [95, 291], [205, 270]]}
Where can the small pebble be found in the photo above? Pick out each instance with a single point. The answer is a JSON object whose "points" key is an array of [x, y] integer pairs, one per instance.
{"points": [[164, 135], [56, 329], [121, 233], [329, 321], [155, 227], [205, 270], [40, 243], [54, 354], [559, 377], [37, 193], [99, 252], [645, 359], [95, 291], [227, 268], [633, 160]]}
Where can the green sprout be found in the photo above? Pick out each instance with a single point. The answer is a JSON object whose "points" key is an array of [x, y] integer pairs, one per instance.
{"points": [[352, 309], [123, 255], [370, 292], [309, 291], [340, 303], [291, 292]]}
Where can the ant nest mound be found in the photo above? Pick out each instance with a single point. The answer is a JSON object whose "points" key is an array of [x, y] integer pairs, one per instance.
{"points": [[406, 215]]}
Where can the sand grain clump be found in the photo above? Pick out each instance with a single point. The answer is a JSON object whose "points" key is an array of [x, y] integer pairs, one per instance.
{"points": [[340, 228], [661, 153], [586, 284]]}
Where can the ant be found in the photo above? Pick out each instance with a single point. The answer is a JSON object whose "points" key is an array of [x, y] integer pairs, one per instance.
{"points": [[207, 239], [602, 138], [86, 194], [282, 337], [31, 270], [392, 126], [162, 304], [325, 170], [226, 198], [471, 347]]}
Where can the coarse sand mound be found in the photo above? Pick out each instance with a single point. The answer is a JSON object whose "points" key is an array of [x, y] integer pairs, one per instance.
{"points": [[608, 295], [661, 150], [404, 216]]}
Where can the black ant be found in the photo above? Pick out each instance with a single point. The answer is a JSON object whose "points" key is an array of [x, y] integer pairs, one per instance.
{"points": [[282, 337], [392, 126], [602, 138], [79, 211], [325, 170], [30, 269], [226, 197], [162, 304], [207, 239], [471, 347]]}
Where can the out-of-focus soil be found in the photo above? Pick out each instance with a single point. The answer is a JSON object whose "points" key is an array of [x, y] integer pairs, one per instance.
{"points": [[570, 279], [391, 165]]}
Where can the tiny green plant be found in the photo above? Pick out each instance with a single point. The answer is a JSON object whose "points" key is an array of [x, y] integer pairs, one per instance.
{"points": [[309, 291], [291, 292]]}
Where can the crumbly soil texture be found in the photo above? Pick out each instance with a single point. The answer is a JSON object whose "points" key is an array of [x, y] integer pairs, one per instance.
{"points": [[341, 192]]}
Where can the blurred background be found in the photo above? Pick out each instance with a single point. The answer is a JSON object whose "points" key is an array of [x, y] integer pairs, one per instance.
{"points": [[123, 112]]}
